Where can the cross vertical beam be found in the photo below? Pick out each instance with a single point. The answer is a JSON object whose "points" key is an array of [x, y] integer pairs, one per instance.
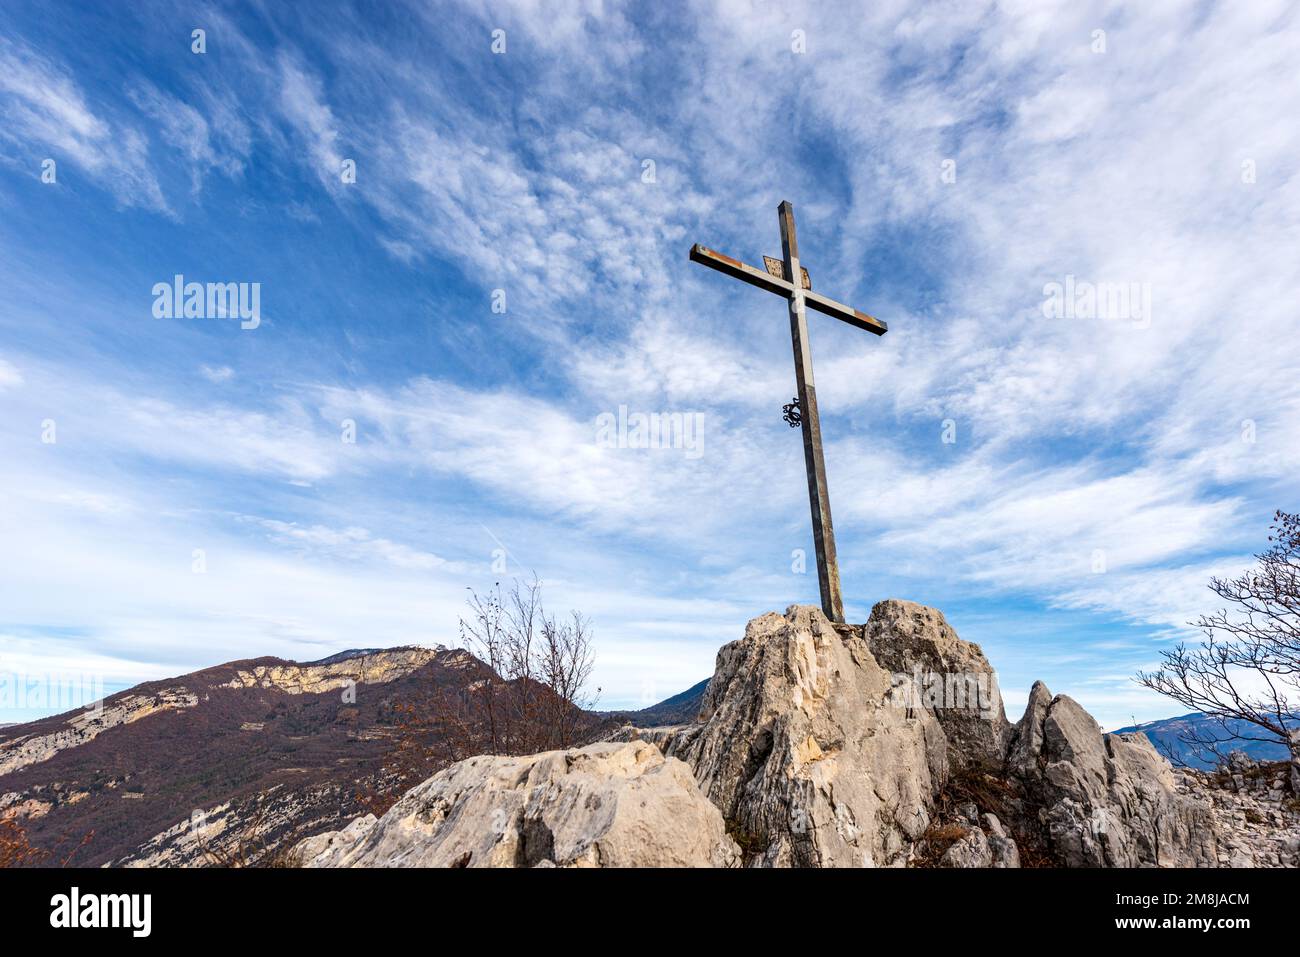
{"points": [[790, 280], [819, 499]]}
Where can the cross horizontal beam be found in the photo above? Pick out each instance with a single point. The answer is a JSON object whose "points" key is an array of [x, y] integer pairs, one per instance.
{"points": [[766, 281]]}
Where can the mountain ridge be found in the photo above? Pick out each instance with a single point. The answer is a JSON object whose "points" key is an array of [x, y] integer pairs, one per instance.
{"points": [[311, 735], [1166, 734]]}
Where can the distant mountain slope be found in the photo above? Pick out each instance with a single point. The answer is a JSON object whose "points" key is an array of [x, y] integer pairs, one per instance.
{"points": [[1165, 735], [257, 750], [679, 709]]}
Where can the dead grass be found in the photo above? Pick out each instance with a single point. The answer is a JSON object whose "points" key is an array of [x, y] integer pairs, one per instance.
{"points": [[935, 842], [985, 785], [1265, 769]]}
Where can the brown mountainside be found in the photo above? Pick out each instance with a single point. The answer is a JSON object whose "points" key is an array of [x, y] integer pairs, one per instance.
{"points": [[224, 765]]}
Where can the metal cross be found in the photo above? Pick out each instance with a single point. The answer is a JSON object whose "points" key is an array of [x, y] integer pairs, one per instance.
{"points": [[778, 277]]}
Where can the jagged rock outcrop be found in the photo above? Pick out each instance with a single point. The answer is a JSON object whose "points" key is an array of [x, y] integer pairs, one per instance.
{"points": [[811, 749], [605, 805], [1103, 800], [836, 745], [948, 676], [826, 745]]}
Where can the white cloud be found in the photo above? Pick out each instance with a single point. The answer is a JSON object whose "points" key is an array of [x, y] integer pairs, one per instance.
{"points": [[547, 455], [352, 544], [184, 128], [42, 104], [285, 440], [217, 374], [302, 104], [10, 377]]}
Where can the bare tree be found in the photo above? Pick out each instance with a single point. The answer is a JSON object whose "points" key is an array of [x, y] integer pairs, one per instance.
{"points": [[536, 693], [1247, 668], [485, 635], [565, 664], [528, 692]]}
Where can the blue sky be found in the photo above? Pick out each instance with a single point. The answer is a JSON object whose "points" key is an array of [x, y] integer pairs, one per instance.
{"points": [[1161, 152]]}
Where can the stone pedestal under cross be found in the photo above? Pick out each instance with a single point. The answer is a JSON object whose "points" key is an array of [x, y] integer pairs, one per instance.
{"points": [[779, 277]]}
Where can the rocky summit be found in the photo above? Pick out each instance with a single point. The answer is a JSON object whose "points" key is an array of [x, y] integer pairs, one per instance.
{"points": [[818, 745]]}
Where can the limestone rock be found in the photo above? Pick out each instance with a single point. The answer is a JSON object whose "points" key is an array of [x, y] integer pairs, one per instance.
{"points": [[605, 805], [1026, 746], [949, 676], [970, 851], [379, 667], [330, 848], [1003, 848], [1103, 800], [809, 749]]}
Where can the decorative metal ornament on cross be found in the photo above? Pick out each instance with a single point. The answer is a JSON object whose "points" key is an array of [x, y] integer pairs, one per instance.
{"points": [[790, 412], [778, 277]]}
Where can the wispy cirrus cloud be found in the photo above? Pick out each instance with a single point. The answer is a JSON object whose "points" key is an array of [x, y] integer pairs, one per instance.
{"points": [[301, 102], [43, 107], [185, 128], [216, 374]]}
